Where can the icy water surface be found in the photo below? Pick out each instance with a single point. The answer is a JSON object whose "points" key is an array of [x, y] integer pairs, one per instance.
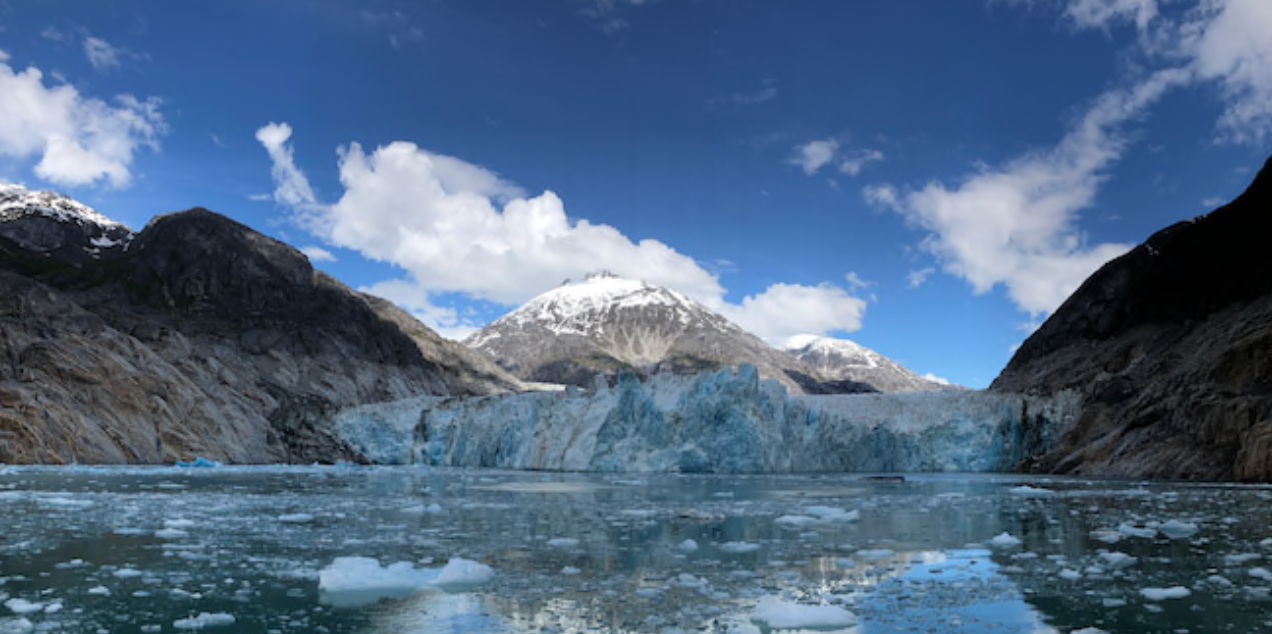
{"points": [[337, 549]]}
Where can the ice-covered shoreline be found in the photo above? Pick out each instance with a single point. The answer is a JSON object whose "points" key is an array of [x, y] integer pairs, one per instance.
{"points": [[722, 422]]}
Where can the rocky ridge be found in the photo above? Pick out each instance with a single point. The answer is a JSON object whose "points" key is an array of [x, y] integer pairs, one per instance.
{"points": [[1170, 347], [195, 336]]}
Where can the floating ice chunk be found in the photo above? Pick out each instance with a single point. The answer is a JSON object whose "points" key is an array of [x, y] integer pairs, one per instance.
{"points": [[1175, 529], [832, 514], [875, 553], [354, 581], [462, 573], [204, 620], [101, 591], [1070, 574], [1031, 492], [1089, 630], [563, 542], [1106, 536], [781, 615], [795, 521], [22, 606], [1162, 594], [171, 533], [1004, 540], [570, 570], [1117, 561], [16, 626], [687, 546], [845, 562], [179, 523], [127, 573], [739, 547], [420, 509], [1236, 559], [1131, 530], [1261, 573], [296, 518]]}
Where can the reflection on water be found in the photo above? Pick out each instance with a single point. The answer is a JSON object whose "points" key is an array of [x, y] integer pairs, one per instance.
{"points": [[362, 550]]}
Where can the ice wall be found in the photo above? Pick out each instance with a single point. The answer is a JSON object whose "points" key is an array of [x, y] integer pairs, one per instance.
{"points": [[722, 422]]}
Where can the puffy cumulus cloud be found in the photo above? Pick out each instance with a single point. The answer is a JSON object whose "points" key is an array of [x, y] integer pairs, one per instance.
{"points": [[1016, 225], [1227, 42], [79, 140], [455, 227], [785, 310]]}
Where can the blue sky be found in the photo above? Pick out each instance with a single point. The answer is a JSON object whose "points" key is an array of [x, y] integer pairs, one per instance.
{"points": [[929, 178]]}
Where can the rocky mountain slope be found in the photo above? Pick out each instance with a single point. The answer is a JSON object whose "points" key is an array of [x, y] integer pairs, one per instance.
{"points": [[607, 325], [196, 336], [1170, 347], [843, 360]]}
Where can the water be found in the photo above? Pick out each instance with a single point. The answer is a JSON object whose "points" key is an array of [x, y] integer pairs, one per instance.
{"points": [[263, 550]]}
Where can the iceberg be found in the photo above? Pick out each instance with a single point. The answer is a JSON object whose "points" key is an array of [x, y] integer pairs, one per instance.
{"points": [[716, 422]]}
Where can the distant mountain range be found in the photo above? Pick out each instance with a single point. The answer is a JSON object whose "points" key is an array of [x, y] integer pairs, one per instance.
{"points": [[606, 324]]}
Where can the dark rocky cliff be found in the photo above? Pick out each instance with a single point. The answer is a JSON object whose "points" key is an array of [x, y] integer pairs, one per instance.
{"points": [[1171, 347], [202, 337]]}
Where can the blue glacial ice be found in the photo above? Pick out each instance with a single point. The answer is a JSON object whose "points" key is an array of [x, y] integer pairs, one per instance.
{"points": [[722, 422]]}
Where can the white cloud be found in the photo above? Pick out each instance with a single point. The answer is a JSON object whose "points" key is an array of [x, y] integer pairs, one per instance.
{"points": [[1101, 13], [918, 278], [291, 188], [814, 155], [317, 254], [455, 227], [101, 54], [785, 310], [852, 165], [79, 140], [1015, 225], [1228, 42]]}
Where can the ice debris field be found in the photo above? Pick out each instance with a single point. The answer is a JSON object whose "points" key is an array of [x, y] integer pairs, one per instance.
{"points": [[411, 549]]}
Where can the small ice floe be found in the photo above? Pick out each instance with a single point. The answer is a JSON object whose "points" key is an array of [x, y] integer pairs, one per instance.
{"points": [[875, 553], [204, 620], [459, 574], [22, 606], [570, 571], [296, 518], [795, 521], [1004, 540], [171, 533], [687, 546], [832, 514], [1106, 536], [17, 625], [1131, 530], [421, 509], [737, 548], [1260, 573], [1175, 529], [101, 591], [355, 581], [781, 615], [1031, 492], [127, 573], [1236, 559], [1069, 574], [563, 542], [1089, 630], [1162, 594], [1116, 560]]}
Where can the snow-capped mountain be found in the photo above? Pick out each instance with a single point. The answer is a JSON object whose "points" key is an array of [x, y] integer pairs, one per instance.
{"points": [[844, 360], [51, 224], [606, 324]]}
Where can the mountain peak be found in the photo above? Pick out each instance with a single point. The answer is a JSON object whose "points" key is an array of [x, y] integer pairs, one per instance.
{"points": [[575, 307], [841, 359], [17, 201]]}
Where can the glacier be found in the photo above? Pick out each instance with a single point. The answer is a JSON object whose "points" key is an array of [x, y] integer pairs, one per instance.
{"points": [[729, 421]]}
